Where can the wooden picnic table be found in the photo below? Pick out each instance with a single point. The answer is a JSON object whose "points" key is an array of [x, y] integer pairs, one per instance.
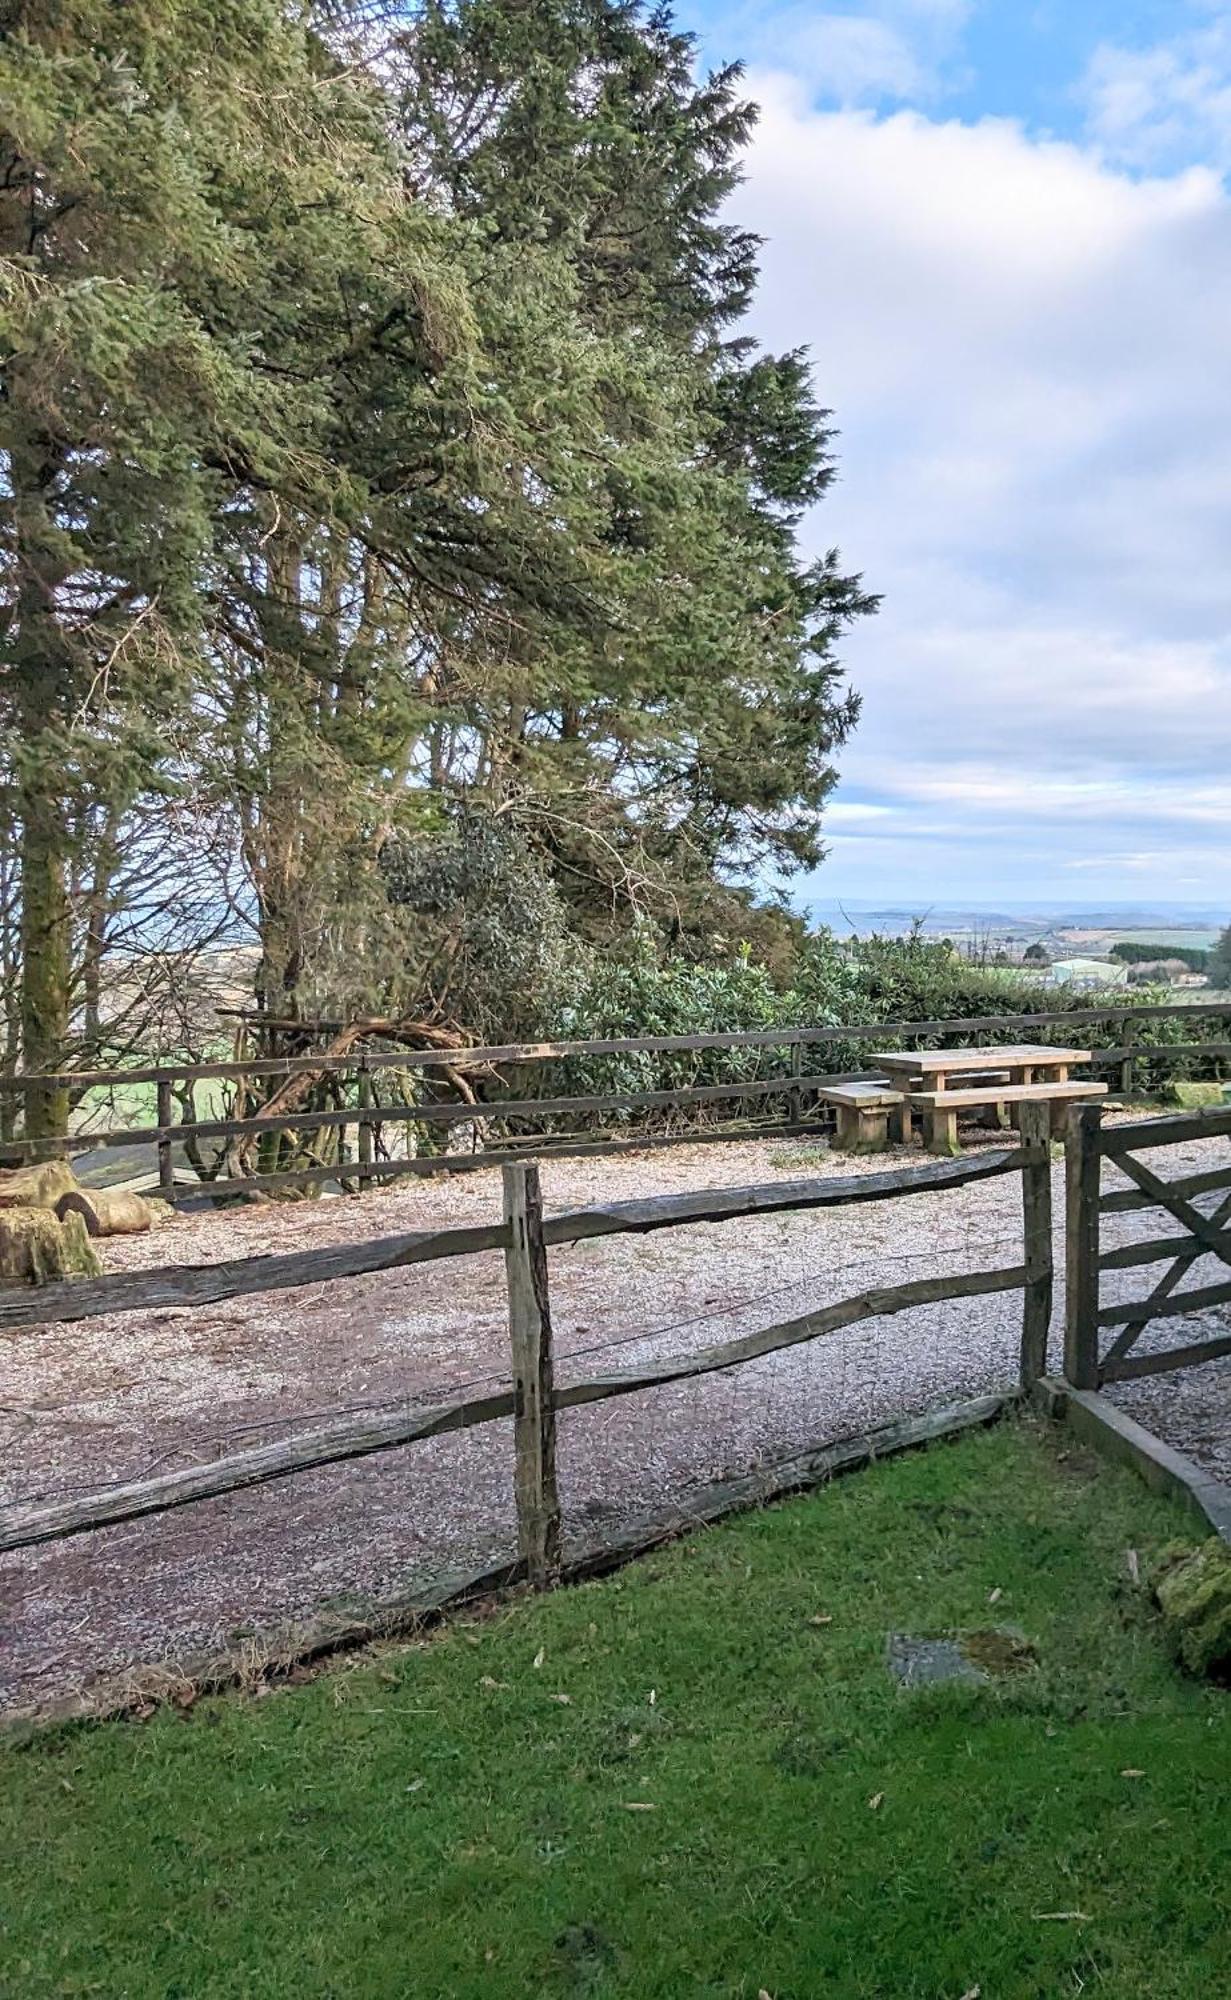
{"points": [[940, 1082]]}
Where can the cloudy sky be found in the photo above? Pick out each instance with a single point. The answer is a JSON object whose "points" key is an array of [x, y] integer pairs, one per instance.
{"points": [[1003, 228]]}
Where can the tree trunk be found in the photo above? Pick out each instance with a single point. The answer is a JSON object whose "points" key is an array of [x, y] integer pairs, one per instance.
{"points": [[42, 677]]}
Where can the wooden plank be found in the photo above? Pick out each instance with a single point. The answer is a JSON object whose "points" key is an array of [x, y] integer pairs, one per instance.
{"points": [[534, 1052], [1126, 1256], [876, 1303], [1128, 1068], [549, 1148], [777, 1478], [205, 1284], [367, 1121], [444, 1114], [668, 1211], [1083, 1160], [861, 1096], [1037, 1236], [795, 1101], [1170, 1281], [1122, 1201], [1039, 1055], [545, 1147], [1132, 1367], [1139, 1311], [1143, 1133], [1130, 1050], [27, 1525], [177, 1285], [534, 1415], [1002, 1093], [1204, 1227], [1100, 1422]]}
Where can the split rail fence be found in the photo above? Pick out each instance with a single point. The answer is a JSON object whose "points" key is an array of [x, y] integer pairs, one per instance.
{"points": [[1100, 1338], [532, 1397], [788, 1099]]}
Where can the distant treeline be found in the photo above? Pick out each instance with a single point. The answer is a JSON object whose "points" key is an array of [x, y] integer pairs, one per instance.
{"points": [[1152, 954]]}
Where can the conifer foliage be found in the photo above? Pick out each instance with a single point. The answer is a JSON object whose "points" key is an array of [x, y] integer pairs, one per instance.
{"points": [[382, 464]]}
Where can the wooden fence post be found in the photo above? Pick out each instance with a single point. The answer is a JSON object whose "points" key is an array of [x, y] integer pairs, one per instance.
{"points": [[166, 1164], [534, 1415], [1130, 1030], [1083, 1163], [795, 1100], [1037, 1234], [366, 1121]]}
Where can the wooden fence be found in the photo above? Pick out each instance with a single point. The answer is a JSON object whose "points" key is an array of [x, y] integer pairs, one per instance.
{"points": [[1089, 1322], [787, 1098], [532, 1397]]}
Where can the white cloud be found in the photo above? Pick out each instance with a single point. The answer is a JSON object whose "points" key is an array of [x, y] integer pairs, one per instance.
{"points": [[1025, 348], [852, 57], [1158, 106], [855, 813], [865, 52]]}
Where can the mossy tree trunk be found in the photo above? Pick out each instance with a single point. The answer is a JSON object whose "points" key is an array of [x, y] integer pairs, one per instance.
{"points": [[42, 678]]}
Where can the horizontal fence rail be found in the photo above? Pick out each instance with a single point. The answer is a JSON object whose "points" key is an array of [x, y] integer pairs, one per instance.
{"points": [[533, 1398], [485, 1054], [1088, 1365], [206, 1284], [786, 1103]]}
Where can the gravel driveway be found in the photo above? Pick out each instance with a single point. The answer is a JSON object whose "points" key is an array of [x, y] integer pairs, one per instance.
{"points": [[119, 1398]]}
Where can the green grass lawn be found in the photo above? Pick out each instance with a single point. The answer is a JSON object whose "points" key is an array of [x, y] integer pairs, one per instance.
{"points": [[680, 1781]]}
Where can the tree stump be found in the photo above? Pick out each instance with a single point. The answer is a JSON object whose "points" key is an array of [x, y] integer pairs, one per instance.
{"points": [[38, 1186], [36, 1248]]}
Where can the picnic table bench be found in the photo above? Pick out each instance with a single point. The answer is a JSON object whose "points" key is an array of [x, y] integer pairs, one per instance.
{"points": [[864, 1112], [941, 1082]]}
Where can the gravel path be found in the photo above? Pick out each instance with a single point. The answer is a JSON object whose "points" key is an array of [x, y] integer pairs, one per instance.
{"points": [[119, 1398]]}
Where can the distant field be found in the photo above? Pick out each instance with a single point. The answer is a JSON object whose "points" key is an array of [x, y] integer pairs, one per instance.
{"points": [[1101, 941]]}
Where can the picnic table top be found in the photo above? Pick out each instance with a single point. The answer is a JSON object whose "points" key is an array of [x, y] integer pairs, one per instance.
{"points": [[1021, 1055]]}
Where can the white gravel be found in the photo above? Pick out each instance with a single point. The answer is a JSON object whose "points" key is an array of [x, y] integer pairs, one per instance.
{"points": [[115, 1399]]}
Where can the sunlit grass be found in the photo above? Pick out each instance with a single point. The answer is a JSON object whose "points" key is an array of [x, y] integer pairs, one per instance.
{"points": [[695, 1778]]}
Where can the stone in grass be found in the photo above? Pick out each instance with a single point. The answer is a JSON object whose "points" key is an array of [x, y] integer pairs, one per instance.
{"points": [[1193, 1588], [923, 1659]]}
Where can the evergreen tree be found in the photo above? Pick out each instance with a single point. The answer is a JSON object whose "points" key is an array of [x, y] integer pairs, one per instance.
{"points": [[693, 736], [379, 460], [182, 184]]}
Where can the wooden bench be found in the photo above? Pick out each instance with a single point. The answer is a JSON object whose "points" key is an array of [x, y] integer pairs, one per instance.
{"points": [[864, 1111], [995, 1111], [942, 1106]]}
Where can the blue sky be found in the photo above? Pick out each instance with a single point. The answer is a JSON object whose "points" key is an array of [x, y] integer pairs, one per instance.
{"points": [[1003, 228]]}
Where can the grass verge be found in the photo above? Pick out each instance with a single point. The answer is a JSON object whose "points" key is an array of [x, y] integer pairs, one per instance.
{"points": [[696, 1778]]}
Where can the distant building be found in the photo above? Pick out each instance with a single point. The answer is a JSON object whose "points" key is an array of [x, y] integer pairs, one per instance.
{"points": [[1088, 972], [1165, 972]]}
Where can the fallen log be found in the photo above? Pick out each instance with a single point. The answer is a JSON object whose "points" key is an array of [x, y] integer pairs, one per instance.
{"points": [[107, 1211]]}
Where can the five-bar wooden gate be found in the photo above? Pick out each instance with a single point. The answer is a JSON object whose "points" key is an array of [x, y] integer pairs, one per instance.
{"points": [[1100, 1338]]}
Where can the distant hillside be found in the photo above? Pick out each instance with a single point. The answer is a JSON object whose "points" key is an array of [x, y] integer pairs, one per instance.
{"points": [[1159, 922]]}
